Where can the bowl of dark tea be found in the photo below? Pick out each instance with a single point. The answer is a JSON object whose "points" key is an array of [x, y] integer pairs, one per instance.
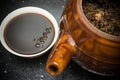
{"points": [[29, 31]]}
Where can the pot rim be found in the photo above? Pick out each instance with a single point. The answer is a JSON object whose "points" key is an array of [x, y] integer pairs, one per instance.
{"points": [[91, 27]]}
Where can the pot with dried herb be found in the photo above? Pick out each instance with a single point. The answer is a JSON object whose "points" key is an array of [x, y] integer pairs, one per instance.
{"points": [[90, 35]]}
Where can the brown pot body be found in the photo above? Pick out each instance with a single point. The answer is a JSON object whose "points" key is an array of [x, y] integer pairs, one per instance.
{"points": [[91, 48]]}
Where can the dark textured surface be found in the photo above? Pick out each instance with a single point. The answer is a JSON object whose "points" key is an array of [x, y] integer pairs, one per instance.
{"points": [[17, 68]]}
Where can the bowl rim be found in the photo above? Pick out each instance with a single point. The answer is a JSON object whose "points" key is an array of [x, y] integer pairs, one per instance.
{"points": [[23, 10]]}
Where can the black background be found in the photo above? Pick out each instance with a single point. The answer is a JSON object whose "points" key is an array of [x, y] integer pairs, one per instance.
{"points": [[17, 68]]}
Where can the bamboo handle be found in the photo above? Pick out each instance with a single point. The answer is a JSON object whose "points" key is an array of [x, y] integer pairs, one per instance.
{"points": [[60, 55]]}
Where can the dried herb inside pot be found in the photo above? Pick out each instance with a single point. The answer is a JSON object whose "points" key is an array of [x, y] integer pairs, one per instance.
{"points": [[103, 14]]}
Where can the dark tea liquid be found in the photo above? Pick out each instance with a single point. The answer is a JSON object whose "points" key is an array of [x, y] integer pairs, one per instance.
{"points": [[29, 33]]}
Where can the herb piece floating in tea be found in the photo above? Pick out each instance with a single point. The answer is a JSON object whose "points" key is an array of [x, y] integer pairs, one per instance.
{"points": [[104, 14]]}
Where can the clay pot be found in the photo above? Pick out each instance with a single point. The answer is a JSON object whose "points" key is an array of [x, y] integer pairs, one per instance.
{"points": [[94, 50]]}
